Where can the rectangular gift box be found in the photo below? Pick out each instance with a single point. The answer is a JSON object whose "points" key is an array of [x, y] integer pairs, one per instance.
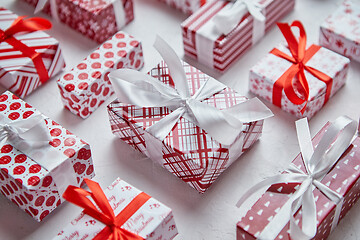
{"points": [[343, 179], [84, 88], [186, 6], [270, 68], [17, 71], [218, 51], [153, 220], [340, 32], [188, 151], [97, 20], [26, 182]]}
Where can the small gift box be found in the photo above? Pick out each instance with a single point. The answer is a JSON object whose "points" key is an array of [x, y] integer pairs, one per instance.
{"points": [[309, 199], [221, 31], [122, 212], [38, 158], [29, 56], [191, 124], [340, 32], [186, 6], [96, 19], [297, 78], [87, 85]]}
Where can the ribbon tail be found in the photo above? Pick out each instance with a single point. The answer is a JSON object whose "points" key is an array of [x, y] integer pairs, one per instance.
{"points": [[40, 6]]}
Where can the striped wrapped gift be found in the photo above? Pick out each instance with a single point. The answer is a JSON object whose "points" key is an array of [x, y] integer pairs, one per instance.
{"points": [[186, 6]]}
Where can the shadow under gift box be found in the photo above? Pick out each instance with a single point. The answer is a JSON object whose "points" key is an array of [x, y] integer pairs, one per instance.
{"points": [[188, 151], [85, 87], [186, 6], [24, 181], [94, 19]]}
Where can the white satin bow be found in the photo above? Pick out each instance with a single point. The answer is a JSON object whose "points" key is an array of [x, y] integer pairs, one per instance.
{"points": [[318, 163]]}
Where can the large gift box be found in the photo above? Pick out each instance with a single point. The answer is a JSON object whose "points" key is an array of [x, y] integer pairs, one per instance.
{"points": [[85, 87], [183, 119], [123, 212], [340, 32], [96, 19], [298, 78], [221, 31], [28, 56], [309, 199], [186, 6], [38, 158]]}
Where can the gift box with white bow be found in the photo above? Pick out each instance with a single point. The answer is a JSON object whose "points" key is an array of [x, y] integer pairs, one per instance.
{"points": [[221, 31], [38, 158], [186, 6], [96, 19], [124, 212], [340, 32], [85, 87], [308, 200], [183, 119]]}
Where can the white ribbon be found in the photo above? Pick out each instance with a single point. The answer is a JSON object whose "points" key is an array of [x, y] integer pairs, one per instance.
{"points": [[31, 136], [53, 8], [318, 163]]}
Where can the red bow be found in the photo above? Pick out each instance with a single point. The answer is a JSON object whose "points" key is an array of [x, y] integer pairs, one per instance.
{"points": [[21, 26], [300, 56], [106, 215]]}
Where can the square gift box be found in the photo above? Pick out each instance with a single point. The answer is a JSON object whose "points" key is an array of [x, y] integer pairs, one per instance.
{"points": [[206, 41], [147, 219], [27, 59], [84, 88], [97, 20], [302, 88], [186, 6], [340, 32], [34, 179]]}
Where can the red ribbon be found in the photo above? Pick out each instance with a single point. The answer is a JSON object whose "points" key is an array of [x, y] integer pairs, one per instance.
{"points": [[106, 215], [300, 56], [21, 26]]}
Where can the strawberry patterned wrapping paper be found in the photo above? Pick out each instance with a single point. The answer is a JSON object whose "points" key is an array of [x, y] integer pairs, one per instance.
{"points": [[96, 19], [340, 32], [342, 179], [28, 59], [206, 40], [87, 86], [152, 220], [267, 75], [186, 6], [23, 179]]}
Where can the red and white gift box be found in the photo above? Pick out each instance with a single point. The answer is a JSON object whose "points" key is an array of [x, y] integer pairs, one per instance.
{"points": [[216, 50], [18, 73], [96, 19], [84, 88], [186, 6], [28, 183], [152, 220], [340, 32]]}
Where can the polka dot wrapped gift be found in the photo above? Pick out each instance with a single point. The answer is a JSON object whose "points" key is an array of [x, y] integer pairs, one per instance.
{"points": [[38, 158]]}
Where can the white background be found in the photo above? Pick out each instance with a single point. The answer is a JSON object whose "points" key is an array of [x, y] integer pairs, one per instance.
{"points": [[212, 215]]}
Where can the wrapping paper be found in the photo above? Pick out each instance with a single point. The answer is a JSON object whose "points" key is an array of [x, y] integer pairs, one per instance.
{"points": [[17, 72], [340, 32], [186, 6], [22, 179], [198, 30], [153, 220], [93, 18], [188, 151], [84, 88], [269, 69], [343, 178]]}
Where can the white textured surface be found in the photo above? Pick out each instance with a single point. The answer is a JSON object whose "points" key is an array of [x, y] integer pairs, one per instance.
{"points": [[209, 216]]}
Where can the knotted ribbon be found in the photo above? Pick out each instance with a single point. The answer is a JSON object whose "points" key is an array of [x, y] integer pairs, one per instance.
{"points": [[300, 56], [24, 26], [103, 212], [318, 162]]}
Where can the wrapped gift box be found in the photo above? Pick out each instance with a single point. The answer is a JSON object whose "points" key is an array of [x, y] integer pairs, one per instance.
{"points": [[152, 220], [17, 70], [212, 48], [87, 86], [343, 178], [98, 20], [340, 32], [186, 6], [28, 183]]}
